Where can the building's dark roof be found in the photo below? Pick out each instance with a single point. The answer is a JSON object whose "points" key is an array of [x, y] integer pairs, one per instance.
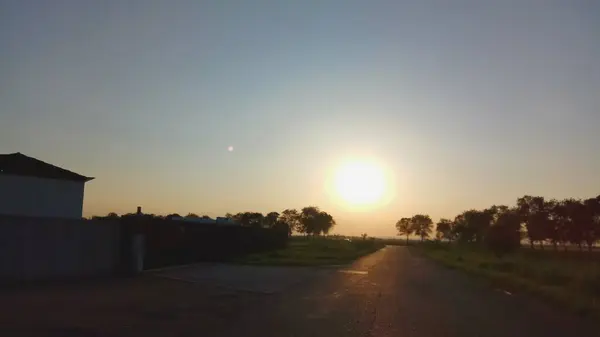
{"points": [[21, 165]]}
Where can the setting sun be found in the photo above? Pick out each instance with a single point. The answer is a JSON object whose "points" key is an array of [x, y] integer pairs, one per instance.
{"points": [[360, 183]]}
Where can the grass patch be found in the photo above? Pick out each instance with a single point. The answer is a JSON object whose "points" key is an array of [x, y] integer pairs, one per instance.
{"points": [[308, 251], [572, 282]]}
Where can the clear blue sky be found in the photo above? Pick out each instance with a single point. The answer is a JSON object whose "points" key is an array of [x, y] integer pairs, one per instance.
{"points": [[467, 104]]}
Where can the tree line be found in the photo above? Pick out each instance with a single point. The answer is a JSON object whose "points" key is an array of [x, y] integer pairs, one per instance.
{"points": [[309, 220], [541, 221], [419, 224]]}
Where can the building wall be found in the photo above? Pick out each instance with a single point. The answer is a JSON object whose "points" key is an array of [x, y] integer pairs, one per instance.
{"points": [[32, 196], [34, 249]]}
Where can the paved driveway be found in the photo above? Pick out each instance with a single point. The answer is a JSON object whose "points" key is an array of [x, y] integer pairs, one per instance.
{"points": [[256, 279]]}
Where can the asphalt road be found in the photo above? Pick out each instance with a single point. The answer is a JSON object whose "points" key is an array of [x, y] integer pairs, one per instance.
{"points": [[389, 293], [396, 293]]}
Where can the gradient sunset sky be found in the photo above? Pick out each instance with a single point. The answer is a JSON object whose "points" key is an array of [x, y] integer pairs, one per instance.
{"points": [[466, 104]]}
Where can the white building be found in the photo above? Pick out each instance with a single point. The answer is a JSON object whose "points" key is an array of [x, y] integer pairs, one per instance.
{"points": [[31, 187]]}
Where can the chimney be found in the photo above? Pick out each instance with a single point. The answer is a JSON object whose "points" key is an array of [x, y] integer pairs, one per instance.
{"points": [[139, 210]]}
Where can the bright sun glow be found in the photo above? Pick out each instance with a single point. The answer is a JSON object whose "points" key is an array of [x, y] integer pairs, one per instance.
{"points": [[360, 183]]}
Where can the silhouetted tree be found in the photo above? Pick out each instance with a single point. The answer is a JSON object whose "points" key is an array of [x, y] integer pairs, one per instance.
{"points": [[462, 232], [250, 219], [313, 221], [445, 229], [109, 216], [483, 221], [553, 224], [536, 217], [291, 218], [192, 216], [173, 215], [590, 218], [560, 218], [404, 227], [421, 225], [271, 219], [504, 235], [575, 221], [502, 228], [472, 225]]}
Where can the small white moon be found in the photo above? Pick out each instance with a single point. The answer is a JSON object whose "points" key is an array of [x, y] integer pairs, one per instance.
{"points": [[230, 148]]}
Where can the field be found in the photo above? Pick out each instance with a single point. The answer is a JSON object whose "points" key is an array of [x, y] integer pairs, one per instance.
{"points": [[314, 251], [569, 279], [397, 242]]}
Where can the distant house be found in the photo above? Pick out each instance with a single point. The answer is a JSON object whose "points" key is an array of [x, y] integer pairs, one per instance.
{"points": [[31, 187]]}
